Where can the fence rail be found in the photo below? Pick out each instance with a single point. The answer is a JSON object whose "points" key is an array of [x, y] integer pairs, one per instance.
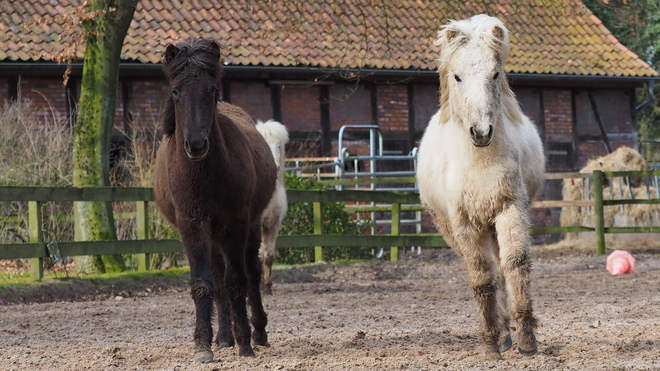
{"points": [[37, 248]]}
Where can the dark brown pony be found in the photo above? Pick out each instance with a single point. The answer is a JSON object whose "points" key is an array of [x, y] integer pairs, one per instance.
{"points": [[214, 177]]}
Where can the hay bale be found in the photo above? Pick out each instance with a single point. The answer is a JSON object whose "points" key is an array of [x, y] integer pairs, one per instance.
{"points": [[623, 159], [573, 189]]}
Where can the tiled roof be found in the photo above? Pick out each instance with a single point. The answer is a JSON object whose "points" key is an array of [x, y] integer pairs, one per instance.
{"points": [[390, 34]]}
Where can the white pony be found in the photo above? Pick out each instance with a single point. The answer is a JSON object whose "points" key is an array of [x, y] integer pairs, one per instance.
{"points": [[277, 137], [481, 164]]}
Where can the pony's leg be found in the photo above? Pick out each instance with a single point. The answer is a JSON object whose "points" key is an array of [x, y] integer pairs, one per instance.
{"points": [[269, 236], [478, 259], [512, 234], [258, 319], [236, 284], [505, 342], [479, 262], [445, 230], [225, 337], [201, 284]]}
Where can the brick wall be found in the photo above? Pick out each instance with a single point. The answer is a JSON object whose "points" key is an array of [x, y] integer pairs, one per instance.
{"points": [[615, 110], [148, 97], [557, 114], [119, 111], [4, 91], [589, 150], [301, 109], [426, 102], [46, 96], [586, 121], [350, 104], [529, 101], [392, 106], [253, 97]]}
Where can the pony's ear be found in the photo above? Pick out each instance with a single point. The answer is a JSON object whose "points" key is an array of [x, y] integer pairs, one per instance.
{"points": [[447, 34], [451, 34], [498, 32], [168, 123], [214, 47], [170, 53], [498, 39]]}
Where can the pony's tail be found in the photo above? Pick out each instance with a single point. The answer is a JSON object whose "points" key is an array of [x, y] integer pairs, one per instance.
{"points": [[273, 130]]}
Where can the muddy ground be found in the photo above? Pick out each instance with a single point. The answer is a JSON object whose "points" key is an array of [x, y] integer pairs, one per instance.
{"points": [[417, 314]]}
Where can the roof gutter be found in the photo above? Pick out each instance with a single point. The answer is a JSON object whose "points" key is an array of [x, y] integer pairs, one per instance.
{"points": [[650, 94], [543, 77], [155, 70]]}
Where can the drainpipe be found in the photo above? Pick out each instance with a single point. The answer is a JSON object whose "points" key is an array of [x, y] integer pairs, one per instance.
{"points": [[649, 92], [649, 102]]}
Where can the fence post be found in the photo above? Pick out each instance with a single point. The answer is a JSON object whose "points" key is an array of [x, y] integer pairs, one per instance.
{"points": [[396, 224], [599, 217], [36, 235], [318, 230], [142, 224]]}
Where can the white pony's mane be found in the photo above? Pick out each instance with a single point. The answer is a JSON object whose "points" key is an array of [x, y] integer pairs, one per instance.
{"points": [[480, 28], [273, 131]]}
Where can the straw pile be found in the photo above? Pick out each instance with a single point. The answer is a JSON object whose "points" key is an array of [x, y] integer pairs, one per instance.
{"points": [[623, 159]]}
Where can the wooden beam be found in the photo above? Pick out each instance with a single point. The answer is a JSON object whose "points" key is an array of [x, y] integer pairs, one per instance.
{"points": [[82, 248], [36, 236], [599, 121], [70, 194]]}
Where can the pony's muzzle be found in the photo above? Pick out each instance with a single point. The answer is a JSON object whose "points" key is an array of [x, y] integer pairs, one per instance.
{"points": [[196, 149], [479, 138]]}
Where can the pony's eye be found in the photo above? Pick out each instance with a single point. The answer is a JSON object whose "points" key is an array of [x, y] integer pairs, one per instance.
{"points": [[458, 79], [175, 92], [497, 74]]}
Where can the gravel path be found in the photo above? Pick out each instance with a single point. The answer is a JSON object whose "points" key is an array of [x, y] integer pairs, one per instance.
{"points": [[414, 315]]}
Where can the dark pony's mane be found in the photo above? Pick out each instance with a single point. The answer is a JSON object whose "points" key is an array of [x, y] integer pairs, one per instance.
{"points": [[200, 56]]}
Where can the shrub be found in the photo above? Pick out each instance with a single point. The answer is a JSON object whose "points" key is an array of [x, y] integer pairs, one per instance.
{"points": [[300, 221], [34, 152]]}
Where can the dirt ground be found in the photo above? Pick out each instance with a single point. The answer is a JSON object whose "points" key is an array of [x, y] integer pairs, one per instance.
{"points": [[417, 314]]}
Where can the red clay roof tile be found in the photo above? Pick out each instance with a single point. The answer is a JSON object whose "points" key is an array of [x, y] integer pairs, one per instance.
{"points": [[395, 34]]}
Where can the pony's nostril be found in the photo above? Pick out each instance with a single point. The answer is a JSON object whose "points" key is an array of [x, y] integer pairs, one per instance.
{"points": [[490, 131], [196, 149], [198, 145], [472, 131]]}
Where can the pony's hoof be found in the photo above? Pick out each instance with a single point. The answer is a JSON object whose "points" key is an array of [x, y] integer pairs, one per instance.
{"points": [[527, 345], [506, 344], [203, 356], [246, 352], [260, 338], [225, 342], [529, 352], [267, 290], [492, 353]]}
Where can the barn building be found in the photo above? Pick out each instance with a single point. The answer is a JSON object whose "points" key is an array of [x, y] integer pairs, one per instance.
{"points": [[321, 64]]}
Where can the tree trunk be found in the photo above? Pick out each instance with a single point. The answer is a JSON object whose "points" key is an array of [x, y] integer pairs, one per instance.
{"points": [[96, 113]]}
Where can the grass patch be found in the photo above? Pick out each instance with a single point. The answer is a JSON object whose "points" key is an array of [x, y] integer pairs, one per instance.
{"points": [[19, 288]]}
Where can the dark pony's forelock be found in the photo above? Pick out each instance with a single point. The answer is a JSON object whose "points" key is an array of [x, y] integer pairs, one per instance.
{"points": [[198, 56]]}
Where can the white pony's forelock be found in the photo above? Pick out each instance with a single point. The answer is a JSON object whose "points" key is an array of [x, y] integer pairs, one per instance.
{"points": [[273, 130], [480, 26]]}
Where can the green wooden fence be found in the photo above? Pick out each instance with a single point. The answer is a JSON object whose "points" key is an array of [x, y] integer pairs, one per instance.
{"points": [[37, 248]]}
